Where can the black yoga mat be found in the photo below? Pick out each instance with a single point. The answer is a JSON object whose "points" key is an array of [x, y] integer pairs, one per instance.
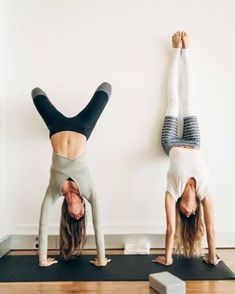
{"points": [[121, 268]]}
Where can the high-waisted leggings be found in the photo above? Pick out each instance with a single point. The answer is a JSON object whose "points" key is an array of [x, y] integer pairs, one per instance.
{"points": [[84, 122]]}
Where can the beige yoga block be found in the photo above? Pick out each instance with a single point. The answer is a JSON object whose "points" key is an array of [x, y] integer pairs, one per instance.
{"points": [[166, 283]]}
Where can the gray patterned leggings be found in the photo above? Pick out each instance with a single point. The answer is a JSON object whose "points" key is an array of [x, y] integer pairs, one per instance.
{"points": [[191, 133]]}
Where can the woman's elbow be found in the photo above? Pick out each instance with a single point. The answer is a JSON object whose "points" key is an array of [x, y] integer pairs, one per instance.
{"points": [[210, 230], [170, 230]]}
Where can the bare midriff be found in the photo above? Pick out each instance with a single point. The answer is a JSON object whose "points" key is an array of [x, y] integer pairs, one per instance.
{"points": [[68, 144]]}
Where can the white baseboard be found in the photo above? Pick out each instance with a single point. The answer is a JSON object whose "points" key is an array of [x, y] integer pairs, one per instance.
{"points": [[5, 245], [117, 241], [115, 235], [111, 241]]}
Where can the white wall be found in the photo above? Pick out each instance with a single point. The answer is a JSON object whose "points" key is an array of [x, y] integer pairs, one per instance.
{"points": [[3, 203], [68, 48]]}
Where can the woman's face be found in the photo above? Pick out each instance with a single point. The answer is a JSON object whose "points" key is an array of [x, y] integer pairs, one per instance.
{"points": [[187, 208], [76, 210], [75, 204], [188, 203]]}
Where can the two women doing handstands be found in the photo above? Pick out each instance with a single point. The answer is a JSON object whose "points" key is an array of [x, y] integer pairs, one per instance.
{"points": [[188, 200]]}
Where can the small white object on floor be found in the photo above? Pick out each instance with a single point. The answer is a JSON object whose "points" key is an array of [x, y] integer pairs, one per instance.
{"points": [[137, 248], [144, 248], [166, 283], [131, 248]]}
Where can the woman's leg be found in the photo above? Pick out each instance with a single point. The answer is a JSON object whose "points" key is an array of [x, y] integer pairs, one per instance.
{"points": [[169, 131], [172, 84], [45, 108], [191, 132], [89, 116]]}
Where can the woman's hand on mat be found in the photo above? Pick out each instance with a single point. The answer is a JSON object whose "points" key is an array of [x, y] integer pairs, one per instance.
{"points": [[163, 260], [211, 260], [97, 262], [47, 262]]}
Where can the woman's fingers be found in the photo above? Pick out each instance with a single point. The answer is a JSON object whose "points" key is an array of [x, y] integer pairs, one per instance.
{"points": [[218, 261], [97, 263], [205, 258], [54, 261], [48, 263], [162, 260], [159, 259], [92, 261], [156, 259], [215, 262]]}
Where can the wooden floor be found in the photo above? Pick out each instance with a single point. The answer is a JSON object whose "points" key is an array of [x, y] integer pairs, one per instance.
{"points": [[194, 287]]}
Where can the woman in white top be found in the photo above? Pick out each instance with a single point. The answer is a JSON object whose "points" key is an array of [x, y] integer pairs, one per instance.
{"points": [[188, 201]]}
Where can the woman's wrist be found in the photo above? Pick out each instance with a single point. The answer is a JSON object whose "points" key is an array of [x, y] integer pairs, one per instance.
{"points": [[42, 257], [212, 255], [101, 260], [168, 259], [42, 261]]}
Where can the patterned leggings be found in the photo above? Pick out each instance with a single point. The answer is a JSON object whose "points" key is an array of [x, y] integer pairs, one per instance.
{"points": [[191, 133]]}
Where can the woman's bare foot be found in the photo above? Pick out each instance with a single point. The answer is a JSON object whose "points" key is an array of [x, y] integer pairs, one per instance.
{"points": [[177, 40], [185, 39]]}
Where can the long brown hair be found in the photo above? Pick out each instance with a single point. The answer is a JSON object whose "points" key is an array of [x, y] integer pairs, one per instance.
{"points": [[72, 233], [189, 231]]}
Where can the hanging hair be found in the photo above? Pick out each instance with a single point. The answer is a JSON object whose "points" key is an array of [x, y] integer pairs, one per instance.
{"points": [[189, 231], [72, 233]]}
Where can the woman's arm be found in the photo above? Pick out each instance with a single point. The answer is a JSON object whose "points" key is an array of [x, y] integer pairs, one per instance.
{"points": [[210, 232], [43, 231], [170, 230], [101, 260]]}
